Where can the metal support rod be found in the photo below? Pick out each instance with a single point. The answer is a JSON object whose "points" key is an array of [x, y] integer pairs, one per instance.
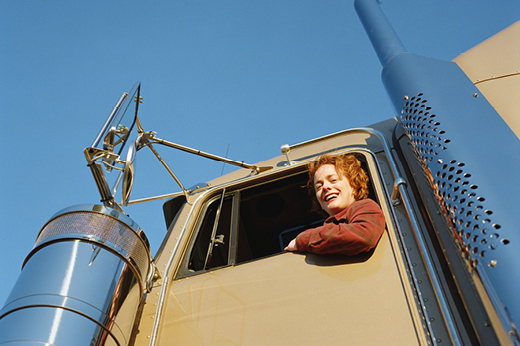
{"points": [[155, 198], [186, 194], [209, 156]]}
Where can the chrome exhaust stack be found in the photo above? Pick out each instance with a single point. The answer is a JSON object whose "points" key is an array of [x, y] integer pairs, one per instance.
{"points": [[82, 283]]}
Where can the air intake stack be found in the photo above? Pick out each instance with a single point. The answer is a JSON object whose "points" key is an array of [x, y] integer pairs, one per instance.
{"points": [[81, 284]]}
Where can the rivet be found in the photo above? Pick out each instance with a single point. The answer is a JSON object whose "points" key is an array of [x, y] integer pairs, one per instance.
{"points": [[406, 97], [475, 95], [493, 263]]}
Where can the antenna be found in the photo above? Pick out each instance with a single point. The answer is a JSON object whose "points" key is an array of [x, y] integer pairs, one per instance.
{"points": [[224, 164]]}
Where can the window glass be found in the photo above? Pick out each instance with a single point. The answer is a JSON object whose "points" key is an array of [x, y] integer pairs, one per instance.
{"points": [[217, 255], [273, 214]]}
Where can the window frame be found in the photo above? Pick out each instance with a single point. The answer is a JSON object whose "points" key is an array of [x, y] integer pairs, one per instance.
{"points": [[234, 190]]}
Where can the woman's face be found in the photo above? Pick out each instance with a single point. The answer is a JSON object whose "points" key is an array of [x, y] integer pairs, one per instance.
{"points": [[333, 191]]}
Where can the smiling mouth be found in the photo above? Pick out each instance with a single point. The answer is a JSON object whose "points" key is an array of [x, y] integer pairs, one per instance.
{"points": [[330, 197]]}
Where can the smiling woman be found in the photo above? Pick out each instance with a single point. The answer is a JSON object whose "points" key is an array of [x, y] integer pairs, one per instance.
{"points": [[356, 223], [330, 173], [333, 191]]}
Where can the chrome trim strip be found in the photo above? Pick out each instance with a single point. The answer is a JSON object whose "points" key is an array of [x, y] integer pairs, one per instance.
{"points": [[288, 148], [165, 283]]}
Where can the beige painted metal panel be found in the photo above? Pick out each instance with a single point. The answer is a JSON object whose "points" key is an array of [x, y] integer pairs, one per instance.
{"points": [[350, 300], [494, 67]]}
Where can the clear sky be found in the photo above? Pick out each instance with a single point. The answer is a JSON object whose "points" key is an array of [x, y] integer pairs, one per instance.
{"points": [[248, 76]]}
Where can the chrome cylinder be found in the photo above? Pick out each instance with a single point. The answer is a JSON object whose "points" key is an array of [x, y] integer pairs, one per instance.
{"points": [[81, 284]]}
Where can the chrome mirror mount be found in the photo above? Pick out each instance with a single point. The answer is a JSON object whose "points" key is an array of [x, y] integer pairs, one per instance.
{"points": [[121, 126], [128, 172], [108, 141]]}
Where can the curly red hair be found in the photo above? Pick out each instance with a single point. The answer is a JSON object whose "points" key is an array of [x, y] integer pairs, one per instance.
{"points": [[347, 166]]}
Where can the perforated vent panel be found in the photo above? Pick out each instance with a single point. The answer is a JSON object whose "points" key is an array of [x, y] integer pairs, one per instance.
{"points": [[102, 229], [458, 198]]}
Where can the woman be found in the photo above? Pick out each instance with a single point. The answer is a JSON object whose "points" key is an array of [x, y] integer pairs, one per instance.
{"points": [[355, 222]]}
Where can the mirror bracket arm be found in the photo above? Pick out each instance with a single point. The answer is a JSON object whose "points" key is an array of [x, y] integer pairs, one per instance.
{"points": [[149, 145], [99, 177], [150, 136]]}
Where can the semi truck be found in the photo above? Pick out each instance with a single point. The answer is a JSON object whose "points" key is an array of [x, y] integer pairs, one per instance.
{"points": [[443, 170]]}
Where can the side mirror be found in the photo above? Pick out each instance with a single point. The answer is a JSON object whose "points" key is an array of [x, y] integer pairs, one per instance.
{"points": [[112, 141], [120, 123]]}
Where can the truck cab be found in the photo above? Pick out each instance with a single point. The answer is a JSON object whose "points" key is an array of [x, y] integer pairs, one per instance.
{"points": [[440, 274]]}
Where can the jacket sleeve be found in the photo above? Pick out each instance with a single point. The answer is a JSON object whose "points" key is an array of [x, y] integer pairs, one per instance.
{"points": [[357, 231]]}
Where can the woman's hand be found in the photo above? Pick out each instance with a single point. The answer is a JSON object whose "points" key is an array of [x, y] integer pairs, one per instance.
{"points": [[291, 246]]}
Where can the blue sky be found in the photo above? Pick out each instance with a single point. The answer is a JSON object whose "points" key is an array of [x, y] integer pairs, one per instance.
{"points": [[248, 76]]}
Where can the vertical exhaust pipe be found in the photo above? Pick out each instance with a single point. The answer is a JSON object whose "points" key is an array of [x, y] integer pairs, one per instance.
{"points": [[384, 39], [448, 122], [81, 284]]}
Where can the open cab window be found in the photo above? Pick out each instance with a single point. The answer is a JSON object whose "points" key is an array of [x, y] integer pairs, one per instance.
{"points": [[247, 223]]}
